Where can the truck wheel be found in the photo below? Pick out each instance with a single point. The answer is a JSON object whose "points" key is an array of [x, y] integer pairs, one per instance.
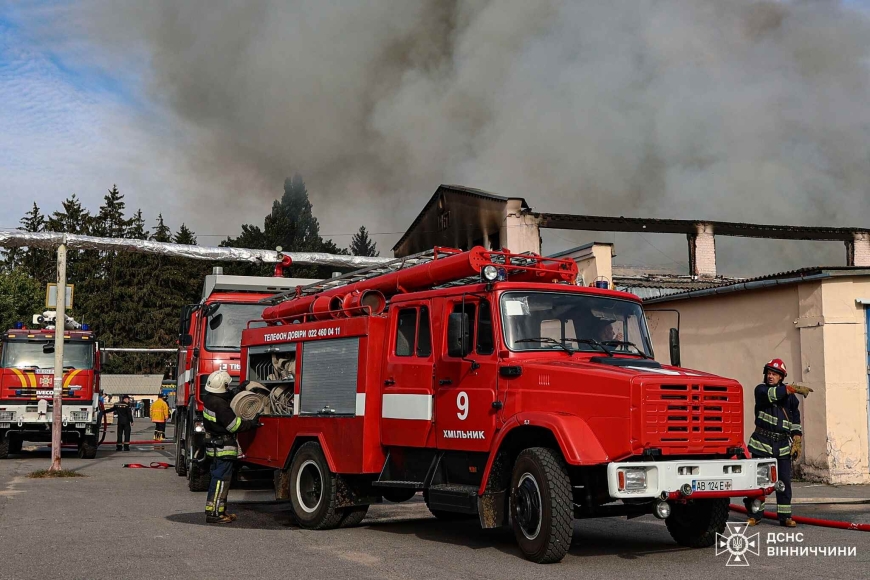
{"points": [[696, 523], [198, 476], [353, 516], [312, 489], [180, 443], [4, 447], [542, 513], [87, 448]]}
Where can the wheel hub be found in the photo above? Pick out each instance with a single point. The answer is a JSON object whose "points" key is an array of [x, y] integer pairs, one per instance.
{"points": [[309, 486], [528, 506]]}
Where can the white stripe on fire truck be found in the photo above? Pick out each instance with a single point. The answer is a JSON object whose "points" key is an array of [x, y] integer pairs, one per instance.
{"points": [[360, 404], [186, 376], [402, 406]]}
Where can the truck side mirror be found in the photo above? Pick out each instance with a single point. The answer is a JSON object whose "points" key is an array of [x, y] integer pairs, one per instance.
{"points": [[185, 340], [674, 344], [458, 335], [104, 356]]}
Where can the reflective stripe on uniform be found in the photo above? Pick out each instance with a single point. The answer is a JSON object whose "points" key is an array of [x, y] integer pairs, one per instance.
{"points": [[784, 451], [209, 416], [234, 426], [755, 444], [222, 452], [796, 427], [768, 418], [783, 509], [771, 394]]}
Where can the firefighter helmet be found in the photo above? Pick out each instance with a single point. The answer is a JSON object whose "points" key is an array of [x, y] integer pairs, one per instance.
{"points": [[217, 382], [777, 366]]}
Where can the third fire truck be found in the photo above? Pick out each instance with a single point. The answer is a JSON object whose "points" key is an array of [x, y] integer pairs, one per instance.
{"points": [[209, 337], [501, 390]]}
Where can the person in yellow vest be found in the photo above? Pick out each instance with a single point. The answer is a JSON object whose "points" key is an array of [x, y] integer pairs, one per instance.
{"points": [[159, 414]]}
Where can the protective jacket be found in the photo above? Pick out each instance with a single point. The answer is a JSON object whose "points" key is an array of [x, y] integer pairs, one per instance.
{"points": [[124, 412], [221, 425], [159, 411], [777, 418]]}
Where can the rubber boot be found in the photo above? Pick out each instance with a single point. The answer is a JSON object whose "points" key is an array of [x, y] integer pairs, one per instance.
{"points": [[222, 503], [752, 521], [118, 447], [126, 447], [788, 523]]}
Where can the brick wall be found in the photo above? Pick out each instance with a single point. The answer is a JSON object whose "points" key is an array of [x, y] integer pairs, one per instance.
{"points": [[702, 253]]}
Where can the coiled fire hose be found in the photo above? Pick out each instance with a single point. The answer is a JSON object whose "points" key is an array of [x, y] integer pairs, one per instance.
{"points": [[259, 399], [811, 521]]}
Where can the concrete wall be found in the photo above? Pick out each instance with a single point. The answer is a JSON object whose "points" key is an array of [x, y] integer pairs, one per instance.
{"points": [[818, 330]]}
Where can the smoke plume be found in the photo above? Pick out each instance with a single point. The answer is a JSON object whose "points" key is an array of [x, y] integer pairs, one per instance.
{"points": [[731, 110]]}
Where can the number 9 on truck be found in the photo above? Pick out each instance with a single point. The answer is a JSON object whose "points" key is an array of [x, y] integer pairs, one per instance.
{"points": [[462, 405]]}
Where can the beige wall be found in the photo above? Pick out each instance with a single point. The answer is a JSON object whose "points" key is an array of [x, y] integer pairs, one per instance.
{"points": [[818, 330]]}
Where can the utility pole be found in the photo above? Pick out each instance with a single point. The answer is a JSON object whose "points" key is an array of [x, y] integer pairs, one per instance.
{"points": [[59, 330]]}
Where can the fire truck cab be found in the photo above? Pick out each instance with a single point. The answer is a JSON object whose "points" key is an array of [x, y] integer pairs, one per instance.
{"points": [[27, 388], [502, 391], [209, 336]]}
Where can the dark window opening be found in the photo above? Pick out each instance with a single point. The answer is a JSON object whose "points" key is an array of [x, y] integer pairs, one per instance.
{"points": [[424, 335], [405, 331], [485, 339]]}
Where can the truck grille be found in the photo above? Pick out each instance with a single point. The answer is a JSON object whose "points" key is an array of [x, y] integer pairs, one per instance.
{"points": [[78, 415], [692, 418]]}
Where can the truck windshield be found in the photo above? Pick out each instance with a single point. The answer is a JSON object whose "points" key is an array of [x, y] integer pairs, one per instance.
{"points": [[20, 355], [224, 328], [547, 320]]}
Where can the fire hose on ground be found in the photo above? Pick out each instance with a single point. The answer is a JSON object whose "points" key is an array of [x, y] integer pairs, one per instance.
{"points": [[811, 521]]}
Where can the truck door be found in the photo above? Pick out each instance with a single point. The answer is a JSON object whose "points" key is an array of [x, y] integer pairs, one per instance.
{"points": [[407, 406], [466, 388]]}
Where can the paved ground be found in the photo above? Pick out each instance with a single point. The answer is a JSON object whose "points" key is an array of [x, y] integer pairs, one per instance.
{"points": [[143, 523]]}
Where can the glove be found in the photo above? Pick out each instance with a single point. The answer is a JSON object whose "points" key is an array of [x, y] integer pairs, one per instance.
{"points": [[799, 389], [796, 447]]}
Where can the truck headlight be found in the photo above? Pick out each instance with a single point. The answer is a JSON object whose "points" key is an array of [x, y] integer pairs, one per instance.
{"points": [[198, 427], [765, 474], [632, 479]]}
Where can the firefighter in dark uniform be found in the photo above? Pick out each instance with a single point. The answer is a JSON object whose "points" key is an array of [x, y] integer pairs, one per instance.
{"points": [[221, 425], [124, 411], [777, 433]]}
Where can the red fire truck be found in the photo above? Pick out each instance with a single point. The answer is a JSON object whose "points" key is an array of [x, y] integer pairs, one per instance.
{"points": [[209, 337], [27, 387], [498, 388]]}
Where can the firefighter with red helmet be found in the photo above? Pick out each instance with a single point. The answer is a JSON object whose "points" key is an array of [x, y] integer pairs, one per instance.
{"points": [[777, 433]]}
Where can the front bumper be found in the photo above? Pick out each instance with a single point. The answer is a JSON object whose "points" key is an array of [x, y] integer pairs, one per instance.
{"points": [[668, 480], [35, 416]]}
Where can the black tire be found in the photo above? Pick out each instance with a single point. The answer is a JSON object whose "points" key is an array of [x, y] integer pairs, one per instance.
{"points": [[696, 523], [88, 448], [15, 445], [312, 490], [180, 443], [198, 476], [353, 516], [4, 447], [398, 495], [541, 508]]}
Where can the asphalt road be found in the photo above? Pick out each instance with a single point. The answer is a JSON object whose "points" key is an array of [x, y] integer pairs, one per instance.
{"points": [[144, 523]]}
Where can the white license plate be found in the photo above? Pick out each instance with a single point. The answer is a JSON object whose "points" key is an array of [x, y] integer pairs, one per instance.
{"points": [[4, 425], [80, 425], [712, 485]]}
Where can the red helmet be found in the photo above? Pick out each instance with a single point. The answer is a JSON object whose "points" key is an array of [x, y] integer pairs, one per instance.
{"points": [[777, 366]]}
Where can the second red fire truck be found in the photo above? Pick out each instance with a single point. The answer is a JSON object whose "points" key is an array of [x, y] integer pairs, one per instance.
{"points": [[499, 389]]}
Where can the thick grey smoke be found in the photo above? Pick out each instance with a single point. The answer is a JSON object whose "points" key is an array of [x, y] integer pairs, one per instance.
{"points": [[733, 110]]}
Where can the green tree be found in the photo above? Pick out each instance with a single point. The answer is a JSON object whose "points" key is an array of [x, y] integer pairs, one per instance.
{"points": [[21, 296], [362, 245], [74, 219], [291, 226], [35, 262]]}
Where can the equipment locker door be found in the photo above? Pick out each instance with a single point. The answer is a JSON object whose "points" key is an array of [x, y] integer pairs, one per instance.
{"points": [[407, 407], [464, 414]]}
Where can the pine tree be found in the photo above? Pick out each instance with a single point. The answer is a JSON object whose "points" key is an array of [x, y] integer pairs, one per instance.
{"points": [[291, 226], [184, 236], [362, 245], [40, 264], [20, 298], [162, 233]]}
